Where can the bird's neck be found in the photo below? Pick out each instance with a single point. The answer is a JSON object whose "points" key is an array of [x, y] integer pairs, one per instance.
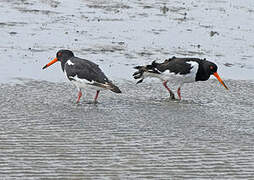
{"points": [[63, 61], [202, 75], [62, 64]]}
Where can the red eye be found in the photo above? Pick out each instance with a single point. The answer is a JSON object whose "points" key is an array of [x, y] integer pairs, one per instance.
{"points": [[59, 54], [211, 67]]}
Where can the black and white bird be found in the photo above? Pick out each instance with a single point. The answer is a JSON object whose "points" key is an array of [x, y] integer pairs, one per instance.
{"points": [[179, 70], [83, 73]]}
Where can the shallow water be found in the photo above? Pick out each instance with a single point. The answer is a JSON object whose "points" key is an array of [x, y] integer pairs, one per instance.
{"points": [[137, 134]]}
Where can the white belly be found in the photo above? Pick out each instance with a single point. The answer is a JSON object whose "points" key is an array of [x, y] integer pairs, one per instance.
{"points": [[86, 85], [188, 78], [83, 83], [177, 78]]}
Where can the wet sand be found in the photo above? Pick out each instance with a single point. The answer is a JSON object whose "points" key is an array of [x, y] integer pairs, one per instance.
{"points": [[118, 35], [138, 134]]}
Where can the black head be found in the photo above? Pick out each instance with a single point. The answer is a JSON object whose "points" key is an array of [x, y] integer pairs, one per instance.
{"points": [[62, 55], [205, 70], [208, 68], [211, 68]]}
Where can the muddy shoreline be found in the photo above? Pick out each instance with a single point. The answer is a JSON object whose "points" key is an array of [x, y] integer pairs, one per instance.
{"points": [[33, 31]]}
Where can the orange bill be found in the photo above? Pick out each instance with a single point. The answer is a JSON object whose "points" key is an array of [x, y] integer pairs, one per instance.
{"points": [[219, 79], [50, 63]]}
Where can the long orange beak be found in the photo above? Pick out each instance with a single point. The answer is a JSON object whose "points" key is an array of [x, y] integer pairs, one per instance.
{"points": [[50, 63], [219, 79]]}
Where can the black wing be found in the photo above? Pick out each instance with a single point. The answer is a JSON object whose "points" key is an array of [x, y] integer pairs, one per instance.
{"points": [[177, 65], [84, 69]]}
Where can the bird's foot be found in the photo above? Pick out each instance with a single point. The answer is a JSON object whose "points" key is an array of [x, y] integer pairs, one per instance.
{"points": [[179, 93], [79, 96], [172, 96], [96, 97]]}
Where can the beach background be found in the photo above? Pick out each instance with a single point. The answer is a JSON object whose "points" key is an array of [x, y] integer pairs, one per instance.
{"points": [[139, 133]]}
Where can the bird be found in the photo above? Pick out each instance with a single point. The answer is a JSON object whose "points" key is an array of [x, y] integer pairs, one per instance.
{"points": [[83, 73], [179, 70]]}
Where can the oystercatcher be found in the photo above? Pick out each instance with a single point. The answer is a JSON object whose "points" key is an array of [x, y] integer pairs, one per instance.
{"points": [[180, 70], [83, 73]]}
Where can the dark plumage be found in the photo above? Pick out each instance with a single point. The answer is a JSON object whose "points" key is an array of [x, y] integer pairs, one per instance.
{"points": [[182, 70], [83, 73]]}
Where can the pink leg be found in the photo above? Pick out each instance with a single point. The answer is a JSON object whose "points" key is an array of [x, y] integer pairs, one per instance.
{"points": [[96, 96], [172, 96], [79, 95], [179, 93]]}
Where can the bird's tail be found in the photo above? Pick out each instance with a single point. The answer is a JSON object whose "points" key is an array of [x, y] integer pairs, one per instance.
{"points": [[141, 69], [139, 74], [114, 88]]}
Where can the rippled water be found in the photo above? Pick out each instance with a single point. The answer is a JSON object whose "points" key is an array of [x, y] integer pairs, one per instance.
{"points": [[138, 134]]}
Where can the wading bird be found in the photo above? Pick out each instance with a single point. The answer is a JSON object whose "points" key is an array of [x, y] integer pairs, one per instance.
{"points": [[83, 73], [180, 70]]}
